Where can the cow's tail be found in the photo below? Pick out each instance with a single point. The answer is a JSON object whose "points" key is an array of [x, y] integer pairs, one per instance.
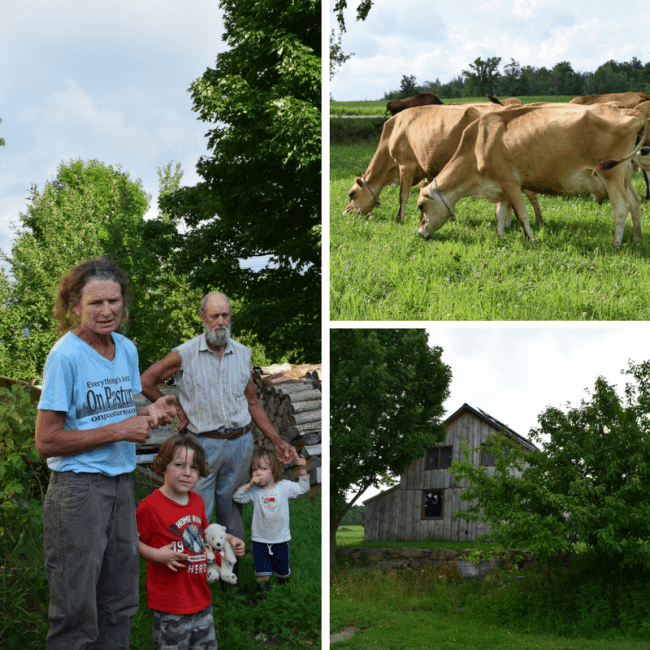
{"points": [[610, 164]]}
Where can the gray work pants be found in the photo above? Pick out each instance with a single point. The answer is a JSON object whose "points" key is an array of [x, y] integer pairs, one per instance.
{"points": [[91, 560]]}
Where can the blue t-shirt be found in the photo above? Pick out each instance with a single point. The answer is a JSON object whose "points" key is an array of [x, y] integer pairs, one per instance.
{"points": [[92, 391]]}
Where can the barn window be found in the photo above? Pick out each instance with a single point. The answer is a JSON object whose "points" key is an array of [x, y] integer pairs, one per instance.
{"points": [[438, 457], [487, 458], [432, 504]]}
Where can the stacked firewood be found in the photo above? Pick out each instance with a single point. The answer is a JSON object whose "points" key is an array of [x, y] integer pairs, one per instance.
{"points": [[291, 398]]}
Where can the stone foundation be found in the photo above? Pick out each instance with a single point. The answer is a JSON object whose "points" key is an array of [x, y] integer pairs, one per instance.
{"points": [[417, 558]]}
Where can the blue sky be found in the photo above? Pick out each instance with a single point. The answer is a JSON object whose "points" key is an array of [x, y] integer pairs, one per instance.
{"points": [[104, 81], [436, 40]]}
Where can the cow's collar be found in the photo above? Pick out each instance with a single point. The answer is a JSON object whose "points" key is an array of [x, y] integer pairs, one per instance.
{"points": [[430, 193], [377, 203]]}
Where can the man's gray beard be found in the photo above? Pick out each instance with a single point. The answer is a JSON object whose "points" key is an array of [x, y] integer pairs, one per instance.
{"points": [[217, 337]]}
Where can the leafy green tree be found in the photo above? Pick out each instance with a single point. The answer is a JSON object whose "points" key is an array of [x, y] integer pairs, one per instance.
{"points": [[88, 210], [363, 8], [2, 140], [608, 78], [408, 87], [566, 81], [483, 75], [387, 391], [510, 82], [261, 188], [587, 484], [337, 56], [355, 516]]}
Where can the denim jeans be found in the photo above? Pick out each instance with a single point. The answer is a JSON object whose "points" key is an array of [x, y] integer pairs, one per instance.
{"points": [[91, 560], [229, 466]]}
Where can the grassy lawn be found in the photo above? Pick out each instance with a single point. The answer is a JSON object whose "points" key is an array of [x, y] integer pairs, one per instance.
{"points": [[435, 609], [420, 624], [382, 270]]}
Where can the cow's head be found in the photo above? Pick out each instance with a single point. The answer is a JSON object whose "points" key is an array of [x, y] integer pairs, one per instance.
{"points": [[434, 210], [362, 198]]}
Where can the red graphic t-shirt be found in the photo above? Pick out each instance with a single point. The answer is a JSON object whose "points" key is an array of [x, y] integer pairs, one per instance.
{"points": [[160, 522]]}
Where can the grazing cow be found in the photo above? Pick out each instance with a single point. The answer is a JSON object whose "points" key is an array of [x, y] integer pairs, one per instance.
{"points": [[624, 100], [423, 99], [558, 150], [416, 144]]}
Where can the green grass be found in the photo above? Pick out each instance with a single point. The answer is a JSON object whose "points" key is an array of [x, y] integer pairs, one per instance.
{"points": [[435, 609], [382, 270], [379, 107]]}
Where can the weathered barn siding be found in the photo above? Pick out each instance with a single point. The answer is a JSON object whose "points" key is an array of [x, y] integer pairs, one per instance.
{"points": [[398, 512]]}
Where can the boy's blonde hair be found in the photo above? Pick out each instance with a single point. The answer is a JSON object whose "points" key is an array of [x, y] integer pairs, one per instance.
{"points": [[168, 449], [261, 452]]}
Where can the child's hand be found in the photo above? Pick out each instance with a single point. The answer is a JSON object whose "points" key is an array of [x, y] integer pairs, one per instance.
{"points": [[171, 558], [237, 544], [301, 462]]}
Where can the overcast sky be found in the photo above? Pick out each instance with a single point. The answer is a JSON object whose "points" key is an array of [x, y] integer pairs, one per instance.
{"points": [[438, 40], [513, 372], [100, 80]]}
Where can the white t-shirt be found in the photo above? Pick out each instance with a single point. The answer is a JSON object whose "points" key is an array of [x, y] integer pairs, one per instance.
{"points": [[92, 391], [270, 523]]}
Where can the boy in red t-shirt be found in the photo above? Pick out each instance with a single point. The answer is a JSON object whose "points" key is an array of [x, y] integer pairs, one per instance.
{"points": [[171, 522]]}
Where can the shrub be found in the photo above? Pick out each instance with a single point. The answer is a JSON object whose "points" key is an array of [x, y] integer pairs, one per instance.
{"points": [[23, 586]]}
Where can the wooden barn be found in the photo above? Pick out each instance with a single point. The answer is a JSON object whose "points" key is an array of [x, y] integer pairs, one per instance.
{"points": [[422, 506]]}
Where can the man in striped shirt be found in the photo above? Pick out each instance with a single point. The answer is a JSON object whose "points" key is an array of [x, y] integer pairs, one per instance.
{"points": [[216, 403]]}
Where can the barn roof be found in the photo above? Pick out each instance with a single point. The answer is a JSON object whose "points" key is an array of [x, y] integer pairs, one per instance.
{"points": [[493, 422]]}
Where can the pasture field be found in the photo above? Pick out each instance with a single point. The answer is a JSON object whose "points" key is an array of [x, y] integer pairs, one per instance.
{"points": [[378, 107], [382, 270]]}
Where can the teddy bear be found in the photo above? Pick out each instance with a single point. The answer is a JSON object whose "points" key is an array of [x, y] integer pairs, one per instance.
{"points": [[221, 557]]}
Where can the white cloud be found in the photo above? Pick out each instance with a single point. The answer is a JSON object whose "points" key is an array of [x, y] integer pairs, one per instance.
{"points": [[441, 42]]}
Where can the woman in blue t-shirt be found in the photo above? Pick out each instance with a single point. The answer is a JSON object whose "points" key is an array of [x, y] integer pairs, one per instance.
{"points": [[86, 428]]}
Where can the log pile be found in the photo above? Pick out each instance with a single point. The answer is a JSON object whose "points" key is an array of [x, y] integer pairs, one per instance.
{"points": [[291, 398]]}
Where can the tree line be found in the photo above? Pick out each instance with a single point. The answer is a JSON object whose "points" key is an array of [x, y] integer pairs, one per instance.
{"points": [[259, 195], [484, 76]]}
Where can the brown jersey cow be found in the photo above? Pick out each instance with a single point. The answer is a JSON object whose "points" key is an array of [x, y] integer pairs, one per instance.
{"points": [[416, 144], [557, 150]]}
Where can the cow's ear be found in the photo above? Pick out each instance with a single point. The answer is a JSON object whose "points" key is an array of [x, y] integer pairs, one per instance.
{"points": [[489, 142], [423, 183], [359, 181]]}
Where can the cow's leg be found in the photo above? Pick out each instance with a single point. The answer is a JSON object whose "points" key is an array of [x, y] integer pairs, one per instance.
{"points": [[513, 194], [406, 176], [647, 184], [634, 208], [532, 197], [621, 206], [503, 215]]}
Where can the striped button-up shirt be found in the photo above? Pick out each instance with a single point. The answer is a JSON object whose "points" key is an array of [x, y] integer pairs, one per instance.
{"points": [[211, 390]]}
